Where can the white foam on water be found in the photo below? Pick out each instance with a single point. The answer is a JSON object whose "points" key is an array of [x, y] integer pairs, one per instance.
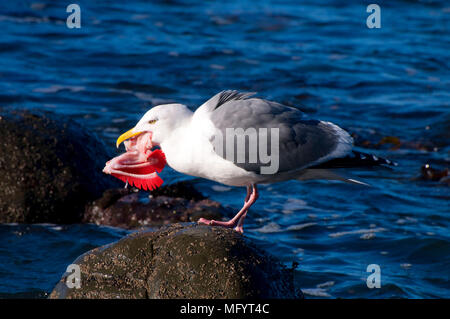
{"points": [[270, 228], [57, 88], [220, 188], [326, 284], [316, 292], [301, 226], [358, 231]]}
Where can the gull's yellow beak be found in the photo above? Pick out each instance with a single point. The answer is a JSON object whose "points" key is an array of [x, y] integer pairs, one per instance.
{"points": [[125, 136]]}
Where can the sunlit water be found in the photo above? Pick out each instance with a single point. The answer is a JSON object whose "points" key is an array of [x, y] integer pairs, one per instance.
{"points": [[392, 81]]}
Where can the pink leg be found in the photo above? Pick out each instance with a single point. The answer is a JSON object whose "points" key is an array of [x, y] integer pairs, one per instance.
{"points": [[237, 221], [249, 192], [240, 224]]}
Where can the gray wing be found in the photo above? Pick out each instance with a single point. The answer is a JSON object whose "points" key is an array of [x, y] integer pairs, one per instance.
{"points": [[301, 142]]}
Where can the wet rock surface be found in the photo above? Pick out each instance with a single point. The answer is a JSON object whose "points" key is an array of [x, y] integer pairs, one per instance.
{"points": [[50, 166], [180, 261], [126, 208]]}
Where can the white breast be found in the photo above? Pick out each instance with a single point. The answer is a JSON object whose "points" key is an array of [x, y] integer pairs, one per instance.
{"points": [[189, 151]]}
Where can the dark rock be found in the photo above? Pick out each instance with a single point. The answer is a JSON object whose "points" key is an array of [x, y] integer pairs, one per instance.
{"points": [[51, 167], [180, 261], [375, 140], [431, 174], [178, 202], [179, 189]]}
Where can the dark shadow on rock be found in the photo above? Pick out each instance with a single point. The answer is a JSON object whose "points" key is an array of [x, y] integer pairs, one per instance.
{"points": [[50, 167], [180, 261], [126, 208]]}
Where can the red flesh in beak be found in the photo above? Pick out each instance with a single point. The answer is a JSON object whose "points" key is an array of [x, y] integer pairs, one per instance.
{"points": [[138, 166]]}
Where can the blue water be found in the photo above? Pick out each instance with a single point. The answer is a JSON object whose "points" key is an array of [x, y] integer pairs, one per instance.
{"points": [[316, 55]]}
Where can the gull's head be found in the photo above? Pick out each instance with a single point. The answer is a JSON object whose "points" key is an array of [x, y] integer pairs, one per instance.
{"points": [[159, 122], [139, 165]]}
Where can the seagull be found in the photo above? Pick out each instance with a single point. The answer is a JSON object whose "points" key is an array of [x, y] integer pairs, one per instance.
{"points": [[237, 140]]}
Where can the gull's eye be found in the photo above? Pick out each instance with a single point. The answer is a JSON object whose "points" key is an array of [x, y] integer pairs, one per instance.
{"points": [[152, 121]]}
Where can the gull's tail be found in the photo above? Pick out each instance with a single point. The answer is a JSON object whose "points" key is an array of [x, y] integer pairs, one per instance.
{"points": [[355, 159], [329, 174], [329, 170]]}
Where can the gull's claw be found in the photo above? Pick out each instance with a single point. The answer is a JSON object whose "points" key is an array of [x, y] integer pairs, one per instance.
{"points": [[205, 221], [237, 222]]}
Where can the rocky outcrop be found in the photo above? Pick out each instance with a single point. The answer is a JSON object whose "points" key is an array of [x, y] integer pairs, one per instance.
{"points": [[180, 261], [129, 209], [50, 167], [51, 172]]}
